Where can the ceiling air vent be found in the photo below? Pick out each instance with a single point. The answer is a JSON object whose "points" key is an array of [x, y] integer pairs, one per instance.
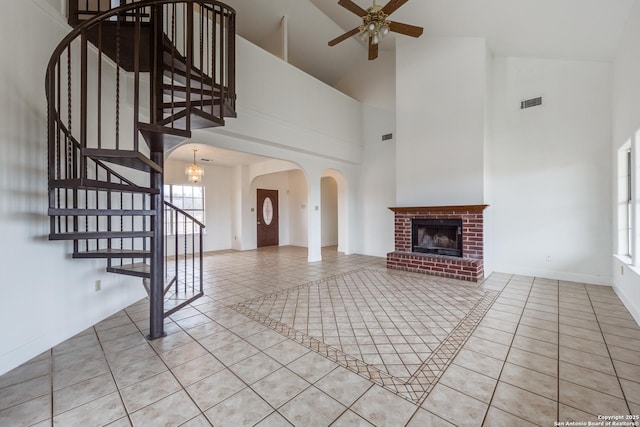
{"points": [[387, 136], [533, 102]]}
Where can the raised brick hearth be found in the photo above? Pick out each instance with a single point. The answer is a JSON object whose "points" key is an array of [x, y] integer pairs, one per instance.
{"points": [[468, 267]]}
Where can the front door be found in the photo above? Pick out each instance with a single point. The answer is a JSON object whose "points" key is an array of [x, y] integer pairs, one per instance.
{"points": [[267, 215]]}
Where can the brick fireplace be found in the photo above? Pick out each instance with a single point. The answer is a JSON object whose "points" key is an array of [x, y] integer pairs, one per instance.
{"points": [[409, 254]]}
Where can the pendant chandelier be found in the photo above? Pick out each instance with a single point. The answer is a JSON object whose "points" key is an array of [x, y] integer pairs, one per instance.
{"points": [[194, 172]]}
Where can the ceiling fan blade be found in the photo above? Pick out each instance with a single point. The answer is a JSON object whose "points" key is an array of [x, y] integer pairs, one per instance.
{"points": [[351, 6], [344, 36], [406, 29], [392, 6], [373, 49]]}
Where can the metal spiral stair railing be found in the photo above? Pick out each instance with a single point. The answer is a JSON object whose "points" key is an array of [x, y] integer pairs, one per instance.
{"points": [[151, 70]]}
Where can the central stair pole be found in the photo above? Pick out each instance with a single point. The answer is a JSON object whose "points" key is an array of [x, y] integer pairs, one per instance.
{"points": [[156, 288]]}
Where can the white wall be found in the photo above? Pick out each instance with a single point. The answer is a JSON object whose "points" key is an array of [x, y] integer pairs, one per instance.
{"points": [[440, 98], [58, 5], [626, 122], [47, 296], [374, 84], [283, 107], [377, 182], [299, 209], [550, 170], [242, 219], [218, 201], [488, 195]]}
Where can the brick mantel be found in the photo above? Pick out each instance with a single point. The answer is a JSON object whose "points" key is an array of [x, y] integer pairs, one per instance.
{"points": [[420, 209], [469, 267]]}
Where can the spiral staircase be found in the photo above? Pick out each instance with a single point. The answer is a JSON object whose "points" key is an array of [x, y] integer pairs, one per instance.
{"points": [[124, 87]]}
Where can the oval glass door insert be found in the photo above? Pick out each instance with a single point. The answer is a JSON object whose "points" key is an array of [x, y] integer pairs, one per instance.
{"points": [[267, 210]]}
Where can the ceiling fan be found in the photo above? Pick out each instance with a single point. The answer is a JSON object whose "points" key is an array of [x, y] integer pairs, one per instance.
{"points": [[375, 25]]}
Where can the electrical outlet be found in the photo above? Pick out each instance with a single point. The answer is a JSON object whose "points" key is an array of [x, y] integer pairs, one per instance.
{"points": [[98, 285], [548, 258]]}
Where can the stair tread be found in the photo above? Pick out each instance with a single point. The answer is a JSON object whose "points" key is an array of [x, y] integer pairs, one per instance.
{"points": [[139, 269], [181, 91], [118, 251], [199, 119], [178, 63], [162, 138], [101, 212], [174, 118], [169, 46], [81, 235], [92, 184], [113, 253], [194, 103], [197, 82], [129, 158], [149, 127], [138, 266]]}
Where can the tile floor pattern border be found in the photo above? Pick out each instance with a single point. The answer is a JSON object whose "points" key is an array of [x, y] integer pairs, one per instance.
{"points": [[423, 380]]}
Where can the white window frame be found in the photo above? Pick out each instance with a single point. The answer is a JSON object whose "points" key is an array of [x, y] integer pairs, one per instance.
{"points": [[189, 203]]}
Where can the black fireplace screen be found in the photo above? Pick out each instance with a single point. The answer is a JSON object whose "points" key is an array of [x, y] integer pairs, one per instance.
{"points": [[437, 236]]}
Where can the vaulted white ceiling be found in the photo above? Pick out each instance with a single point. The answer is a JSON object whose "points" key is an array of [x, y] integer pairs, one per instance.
{"points": [[571, 29]]}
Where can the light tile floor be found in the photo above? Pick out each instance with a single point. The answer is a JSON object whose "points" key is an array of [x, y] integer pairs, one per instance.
{"points": [[342, 342]]}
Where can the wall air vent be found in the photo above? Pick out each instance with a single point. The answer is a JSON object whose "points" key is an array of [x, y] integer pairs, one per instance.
{"points": [[387, 137], [533, 102]]}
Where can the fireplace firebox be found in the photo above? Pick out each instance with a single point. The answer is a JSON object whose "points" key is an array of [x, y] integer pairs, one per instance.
{"points": [[437, 236]]}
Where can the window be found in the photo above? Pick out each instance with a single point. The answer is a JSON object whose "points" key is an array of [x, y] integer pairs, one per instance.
{"points": [[629, 211], [625, 200], [189, 198]]}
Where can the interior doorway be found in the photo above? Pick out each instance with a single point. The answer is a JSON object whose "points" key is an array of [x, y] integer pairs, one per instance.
{"points": [[268, 230], [329, 203]]}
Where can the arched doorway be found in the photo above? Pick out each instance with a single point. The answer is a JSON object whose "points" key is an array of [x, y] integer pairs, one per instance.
{"points": [[288, 187], [335, 210], [329, 203]]}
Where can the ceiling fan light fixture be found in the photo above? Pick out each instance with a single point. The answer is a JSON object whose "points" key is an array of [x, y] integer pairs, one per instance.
{"points": [[375, 25]]}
